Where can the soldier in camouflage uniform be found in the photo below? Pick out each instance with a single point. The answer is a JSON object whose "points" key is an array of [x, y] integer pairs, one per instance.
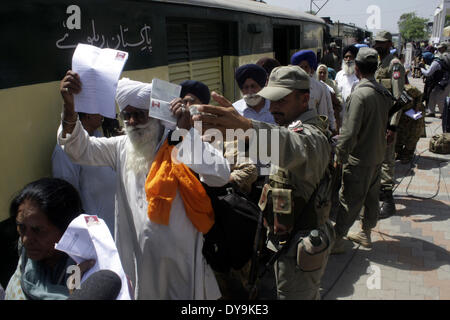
{"points": [[409, 130], [288, 198], [391, 75]]}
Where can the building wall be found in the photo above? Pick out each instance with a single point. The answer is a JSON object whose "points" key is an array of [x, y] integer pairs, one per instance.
{"points": [[439, 22]]}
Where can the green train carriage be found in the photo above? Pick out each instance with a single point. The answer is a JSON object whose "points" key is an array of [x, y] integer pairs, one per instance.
{"points": [[172, 40]]}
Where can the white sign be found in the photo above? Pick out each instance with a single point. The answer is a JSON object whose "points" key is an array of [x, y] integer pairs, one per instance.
{"points": [[99, 71], [163, 93], [88, 237]]}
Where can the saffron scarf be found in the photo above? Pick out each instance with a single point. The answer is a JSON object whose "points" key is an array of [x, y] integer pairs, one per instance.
{"points": [[163, 181]]}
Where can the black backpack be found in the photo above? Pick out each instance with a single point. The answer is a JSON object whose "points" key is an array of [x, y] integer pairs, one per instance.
{"points": [[231, 242], [441, 77]]}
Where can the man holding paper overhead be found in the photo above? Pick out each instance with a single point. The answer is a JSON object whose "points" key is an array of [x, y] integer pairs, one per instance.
{"points": [[161, 208]]}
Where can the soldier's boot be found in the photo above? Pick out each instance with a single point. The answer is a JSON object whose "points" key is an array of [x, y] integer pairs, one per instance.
{"points": [[388, 206], [362, 237]]}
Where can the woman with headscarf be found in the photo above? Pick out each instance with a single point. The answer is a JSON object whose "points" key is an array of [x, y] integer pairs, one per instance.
{"points": [[336, 98], [42, 210]]}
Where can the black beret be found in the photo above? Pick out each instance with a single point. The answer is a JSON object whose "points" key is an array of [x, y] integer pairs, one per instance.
{"points": [[197, 88], [252, 71]]}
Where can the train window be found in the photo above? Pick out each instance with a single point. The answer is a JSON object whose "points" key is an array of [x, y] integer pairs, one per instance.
{"points": [[311, 36], [194, 51]]}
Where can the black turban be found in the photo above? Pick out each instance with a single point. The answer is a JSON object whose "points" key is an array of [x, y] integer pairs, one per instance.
{"points": [[354, 50], [197, 88], [252, 71]]}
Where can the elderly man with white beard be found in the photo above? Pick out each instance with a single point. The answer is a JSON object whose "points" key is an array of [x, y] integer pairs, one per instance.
{"points": [[346, 78], [251, 78], [161, 207]]}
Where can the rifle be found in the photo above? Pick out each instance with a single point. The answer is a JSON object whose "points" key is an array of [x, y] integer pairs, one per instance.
{"points": [[253, 276]]}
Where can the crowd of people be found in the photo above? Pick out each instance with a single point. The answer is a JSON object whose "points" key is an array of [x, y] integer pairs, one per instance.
{"points": [[334, 133], [431, 63]]}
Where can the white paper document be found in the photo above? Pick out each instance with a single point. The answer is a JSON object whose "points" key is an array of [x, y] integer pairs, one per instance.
{"points": [[88, 237], [99, 71], [413, 114], [162, 93]]}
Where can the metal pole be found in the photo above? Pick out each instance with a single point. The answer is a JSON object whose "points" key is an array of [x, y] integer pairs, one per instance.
{"points": [[320, 8]]}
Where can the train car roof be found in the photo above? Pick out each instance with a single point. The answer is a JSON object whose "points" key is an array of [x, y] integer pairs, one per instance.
{"points": [[251, 7]]}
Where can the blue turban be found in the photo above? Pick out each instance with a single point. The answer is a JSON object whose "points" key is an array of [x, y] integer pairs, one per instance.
{"points": [[331, 73], [428, 57], [307, 55], [197, 88], [252, 71]]}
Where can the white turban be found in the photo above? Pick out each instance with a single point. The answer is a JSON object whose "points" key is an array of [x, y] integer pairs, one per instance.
{"points": [[133, 93]]}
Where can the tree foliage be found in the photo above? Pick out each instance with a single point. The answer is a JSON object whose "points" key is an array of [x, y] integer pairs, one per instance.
{"points": [[412, 27]]}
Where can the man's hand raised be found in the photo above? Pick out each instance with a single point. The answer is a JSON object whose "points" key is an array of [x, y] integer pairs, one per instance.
{"points": [[221, 117], [69, 85]]}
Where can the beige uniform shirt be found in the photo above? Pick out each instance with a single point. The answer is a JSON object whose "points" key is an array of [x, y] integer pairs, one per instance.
{"points": [[304, 153], [363, 136], [391, 79]]}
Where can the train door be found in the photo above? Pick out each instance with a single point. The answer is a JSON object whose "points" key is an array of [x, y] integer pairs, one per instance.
{"points": [[194, 51], [286, 39]]}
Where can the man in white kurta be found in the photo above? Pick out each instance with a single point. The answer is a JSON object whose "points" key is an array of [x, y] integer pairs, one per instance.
{"points": [[162, 261], [346, 78], [96, 185]]}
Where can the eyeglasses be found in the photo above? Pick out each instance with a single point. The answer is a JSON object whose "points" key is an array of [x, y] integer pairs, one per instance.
{"points": [[137, 115]]}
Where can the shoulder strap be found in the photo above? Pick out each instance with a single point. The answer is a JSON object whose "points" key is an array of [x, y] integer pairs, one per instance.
{"points": [[377, 88], [287, 243]]}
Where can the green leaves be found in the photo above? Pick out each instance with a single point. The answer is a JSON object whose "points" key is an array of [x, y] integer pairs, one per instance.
{"points": [[412, 27]]}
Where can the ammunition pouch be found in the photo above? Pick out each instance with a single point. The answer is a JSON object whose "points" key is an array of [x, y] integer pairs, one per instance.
{"points": [[281, 207], [276, 199]]}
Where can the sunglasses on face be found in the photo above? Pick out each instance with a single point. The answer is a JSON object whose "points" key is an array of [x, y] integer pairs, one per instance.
{"points": [[137, 115]]}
